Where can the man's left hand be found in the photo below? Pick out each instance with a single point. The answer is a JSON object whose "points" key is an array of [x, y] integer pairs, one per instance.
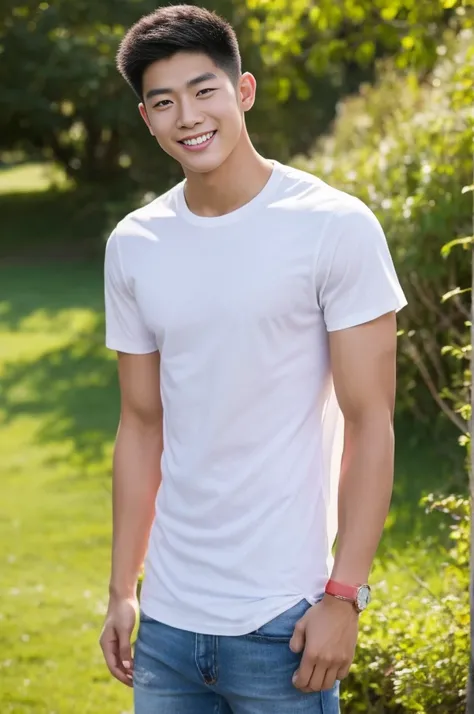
{"points": [[328, 635]]}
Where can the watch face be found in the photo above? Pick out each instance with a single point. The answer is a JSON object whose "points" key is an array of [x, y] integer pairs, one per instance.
{"points": [[363, 597]]}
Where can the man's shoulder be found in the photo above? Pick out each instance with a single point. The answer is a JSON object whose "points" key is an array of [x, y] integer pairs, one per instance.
{"points": [[312, 193], [145, 217]]}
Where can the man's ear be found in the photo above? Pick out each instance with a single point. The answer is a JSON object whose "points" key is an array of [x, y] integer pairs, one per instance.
{"points": [[144, 116], [247, 91]]}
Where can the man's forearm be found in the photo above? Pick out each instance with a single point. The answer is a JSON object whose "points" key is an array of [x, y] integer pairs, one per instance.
{"points": [[364, 495], [136, 479]]}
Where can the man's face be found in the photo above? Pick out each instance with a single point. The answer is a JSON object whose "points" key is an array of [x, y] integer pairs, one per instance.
{"points": [[193, 109]]}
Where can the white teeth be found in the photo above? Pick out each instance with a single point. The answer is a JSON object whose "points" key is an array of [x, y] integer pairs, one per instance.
{"points": [[199, 140]]}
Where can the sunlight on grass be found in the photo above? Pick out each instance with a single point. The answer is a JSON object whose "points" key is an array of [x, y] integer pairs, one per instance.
{"points": [[57, 419], [66, 322], [31, 177]]}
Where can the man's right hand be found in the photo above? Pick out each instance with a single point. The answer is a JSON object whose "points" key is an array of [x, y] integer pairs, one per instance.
{"points": [[115, 639]]}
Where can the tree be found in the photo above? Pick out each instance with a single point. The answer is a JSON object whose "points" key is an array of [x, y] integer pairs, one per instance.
{"points": [[63, 99], [321, 34], [55, 58]]}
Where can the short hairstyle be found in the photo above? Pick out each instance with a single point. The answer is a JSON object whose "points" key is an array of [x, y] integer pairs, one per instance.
{"points": [[177, 28]]}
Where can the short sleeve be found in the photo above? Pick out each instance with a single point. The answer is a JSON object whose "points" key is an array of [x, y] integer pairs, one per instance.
{"points": [[355, 276], [125, 330]]}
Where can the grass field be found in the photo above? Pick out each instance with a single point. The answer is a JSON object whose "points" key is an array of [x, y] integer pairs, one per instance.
{"points": [[43, 218], [58, 414]]}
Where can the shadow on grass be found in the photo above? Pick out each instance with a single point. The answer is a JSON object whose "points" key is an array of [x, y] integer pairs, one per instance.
{"points": [[48, 223], [49, 288], [74, 390], [73, 387], [60, 224]]}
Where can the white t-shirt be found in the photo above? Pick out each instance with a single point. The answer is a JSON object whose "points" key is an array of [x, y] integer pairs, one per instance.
{"points": [[239, 307]]}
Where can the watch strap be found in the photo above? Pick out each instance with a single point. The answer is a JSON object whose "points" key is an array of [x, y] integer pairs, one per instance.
{"points": [[340, 590]]}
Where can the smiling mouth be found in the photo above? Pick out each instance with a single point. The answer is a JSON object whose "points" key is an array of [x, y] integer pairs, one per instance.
{"points": [[200, 140]]}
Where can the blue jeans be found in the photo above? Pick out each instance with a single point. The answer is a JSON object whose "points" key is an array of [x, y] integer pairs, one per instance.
{"points": [[179, 672]]}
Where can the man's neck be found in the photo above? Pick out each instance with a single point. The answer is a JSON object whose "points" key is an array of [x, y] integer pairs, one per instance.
{"points": [[236, 182]]}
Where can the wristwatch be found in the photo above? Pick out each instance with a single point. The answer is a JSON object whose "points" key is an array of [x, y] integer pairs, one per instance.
{"points": [[358, 595]]}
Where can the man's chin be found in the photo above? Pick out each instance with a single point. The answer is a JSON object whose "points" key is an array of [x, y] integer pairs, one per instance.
{"points": [[202, 165]]}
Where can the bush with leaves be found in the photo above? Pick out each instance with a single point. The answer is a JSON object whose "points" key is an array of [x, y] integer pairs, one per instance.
{"points": [[404, 147], [413, 649]]}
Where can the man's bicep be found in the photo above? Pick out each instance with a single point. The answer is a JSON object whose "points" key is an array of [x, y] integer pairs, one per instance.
{"points": [[139, 378], [363, 363]]}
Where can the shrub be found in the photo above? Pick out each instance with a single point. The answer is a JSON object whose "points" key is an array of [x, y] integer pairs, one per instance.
{"points": [[413, 649], [404, 147]]}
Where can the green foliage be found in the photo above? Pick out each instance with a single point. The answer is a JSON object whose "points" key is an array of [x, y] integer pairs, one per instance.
{"points": [[413, 649], [404, 146], [459, 394], [63, 100], [327, 33]]}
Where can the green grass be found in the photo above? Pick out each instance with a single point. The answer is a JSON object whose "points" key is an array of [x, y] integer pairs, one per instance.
{"points": [[44, 217], [58, 414]]}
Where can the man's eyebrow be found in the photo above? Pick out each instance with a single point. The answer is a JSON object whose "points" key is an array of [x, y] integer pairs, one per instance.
{"points": [[190, 83]]}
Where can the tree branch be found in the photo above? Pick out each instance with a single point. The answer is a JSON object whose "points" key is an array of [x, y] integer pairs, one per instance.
{"points": [[413, 352], [444, 322]]}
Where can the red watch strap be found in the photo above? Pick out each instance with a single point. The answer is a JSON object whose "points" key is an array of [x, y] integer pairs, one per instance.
{"points": [[348, 592]]}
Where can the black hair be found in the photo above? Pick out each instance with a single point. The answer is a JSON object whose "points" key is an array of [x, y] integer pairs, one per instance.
{"points": [[177, 28]]}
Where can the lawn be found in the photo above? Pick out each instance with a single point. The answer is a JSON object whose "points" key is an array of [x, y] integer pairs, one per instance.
{"points": [[58, 415], [44, 218]]}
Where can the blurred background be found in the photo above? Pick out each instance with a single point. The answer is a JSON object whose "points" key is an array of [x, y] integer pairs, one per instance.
{"points": [[375, 97]]}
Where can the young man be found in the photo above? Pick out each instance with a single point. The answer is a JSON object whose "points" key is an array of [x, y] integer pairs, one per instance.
{"points": [[250, 306]]}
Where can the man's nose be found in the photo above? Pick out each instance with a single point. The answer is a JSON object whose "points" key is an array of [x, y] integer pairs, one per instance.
{"points": [[189, 115]]}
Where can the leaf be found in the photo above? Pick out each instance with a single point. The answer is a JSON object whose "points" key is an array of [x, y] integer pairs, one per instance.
{"points": [[452, 293], [314, 14], [389, 13], [284, 89], [365, 52], [464, 242]]}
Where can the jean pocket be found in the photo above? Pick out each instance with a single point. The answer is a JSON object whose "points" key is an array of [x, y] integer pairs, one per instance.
{"points": [[281, 627]]}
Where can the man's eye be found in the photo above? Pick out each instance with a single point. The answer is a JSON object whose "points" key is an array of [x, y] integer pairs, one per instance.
{"points": [[161, 103], [205, 91]]}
